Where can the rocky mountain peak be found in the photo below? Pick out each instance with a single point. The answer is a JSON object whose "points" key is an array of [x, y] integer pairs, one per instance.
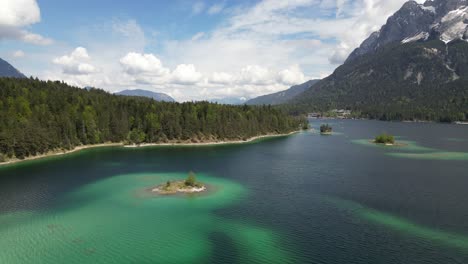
{"points": [[435, 19]]}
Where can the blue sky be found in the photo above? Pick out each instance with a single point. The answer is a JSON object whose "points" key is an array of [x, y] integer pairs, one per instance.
{"points": [[189, 49]]}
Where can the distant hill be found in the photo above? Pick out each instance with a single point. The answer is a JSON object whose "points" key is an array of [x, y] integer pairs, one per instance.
{"points": [[7, 70], [283, 96], [144, 93], [229, 101]]}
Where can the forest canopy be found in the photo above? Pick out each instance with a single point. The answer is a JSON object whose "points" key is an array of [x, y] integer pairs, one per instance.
{"points": [[40, 116]]}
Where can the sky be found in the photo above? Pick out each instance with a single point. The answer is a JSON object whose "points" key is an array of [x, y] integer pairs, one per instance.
{"points": [[191, 50]]}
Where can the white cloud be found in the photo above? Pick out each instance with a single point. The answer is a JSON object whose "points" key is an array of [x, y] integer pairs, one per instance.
{"points": [[186, 74], [245, 55], [291, 76], [15, 15], [221, 78], [137, 63], [145, 69], [75, 63], [257, 75], [198, 36], [106, 45], [18, 54], [128, 28], [367, 16], [215, 9], [19, 13]]}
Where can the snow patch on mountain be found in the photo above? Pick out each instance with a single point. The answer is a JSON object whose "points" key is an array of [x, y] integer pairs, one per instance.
{"points": [[446, 20], [453, 25], [420, 36], [429, 8]]}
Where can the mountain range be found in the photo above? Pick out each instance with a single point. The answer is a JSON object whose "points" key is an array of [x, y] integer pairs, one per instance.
{"points": [[7, 70], [414, 67], [148, 94], [283, 96]]}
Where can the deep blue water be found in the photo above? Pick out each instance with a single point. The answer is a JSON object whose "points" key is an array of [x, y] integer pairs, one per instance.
{"points": [[328, 198]]}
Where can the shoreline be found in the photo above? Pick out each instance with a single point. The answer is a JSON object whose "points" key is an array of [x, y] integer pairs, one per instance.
{"points": [[210, 143], [84, 147], [59, 153]]}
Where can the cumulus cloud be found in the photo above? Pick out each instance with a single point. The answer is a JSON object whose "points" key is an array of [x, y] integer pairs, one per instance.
{"points": [[255, 74], [186, 74], [137, 63], [75, 63], [18, 13], [367, 16], [15, 15], [291, 76], [242, 56]]}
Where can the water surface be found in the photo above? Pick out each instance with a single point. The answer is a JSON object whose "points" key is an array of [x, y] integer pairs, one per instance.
{"points": [[300, 199]]}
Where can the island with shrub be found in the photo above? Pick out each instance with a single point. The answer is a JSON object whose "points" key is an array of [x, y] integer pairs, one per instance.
{"points": [[326, 129], [189, 185], [385, 139]]}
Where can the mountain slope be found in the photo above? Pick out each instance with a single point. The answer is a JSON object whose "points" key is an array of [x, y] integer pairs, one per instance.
{"points": [[439, 19], [283, 96], [148, 94], [415, 67], [7, 70], [420, 80]]}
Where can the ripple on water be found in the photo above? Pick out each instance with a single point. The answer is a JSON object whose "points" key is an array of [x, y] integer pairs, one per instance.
{"points": [[411, 150], [406, 226], [105, 222]]}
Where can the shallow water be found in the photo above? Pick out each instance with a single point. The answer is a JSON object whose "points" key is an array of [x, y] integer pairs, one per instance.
{"points": [[300, 199]]}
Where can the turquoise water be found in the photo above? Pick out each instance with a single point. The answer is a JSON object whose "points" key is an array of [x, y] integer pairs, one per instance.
{"points": [[299, 199], [117, 220]]}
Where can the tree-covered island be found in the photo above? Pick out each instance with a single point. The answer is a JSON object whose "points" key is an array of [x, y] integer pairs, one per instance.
{"points": [[326, 129], [385, 139], [189, 185]]}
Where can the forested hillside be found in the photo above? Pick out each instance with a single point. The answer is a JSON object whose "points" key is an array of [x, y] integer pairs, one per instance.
{"points": [[37, 117], [413, 68], [413, 81]]}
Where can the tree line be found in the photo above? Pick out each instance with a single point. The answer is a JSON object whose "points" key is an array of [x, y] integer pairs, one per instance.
{"points": [[40, 116], [397, 82]]}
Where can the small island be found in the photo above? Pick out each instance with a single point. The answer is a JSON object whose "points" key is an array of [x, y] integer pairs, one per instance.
{"points": [[189, 185], [385, 139], [326, 129]]}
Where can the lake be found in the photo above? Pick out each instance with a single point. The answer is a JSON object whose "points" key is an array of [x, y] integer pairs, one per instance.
{"points": [[305, 198]]}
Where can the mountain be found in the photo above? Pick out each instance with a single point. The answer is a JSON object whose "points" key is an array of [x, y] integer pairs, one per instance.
{"points": [[445, 20], [145, 93], [283, 96], [414, 68], [229, 100], [6, 70]]}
